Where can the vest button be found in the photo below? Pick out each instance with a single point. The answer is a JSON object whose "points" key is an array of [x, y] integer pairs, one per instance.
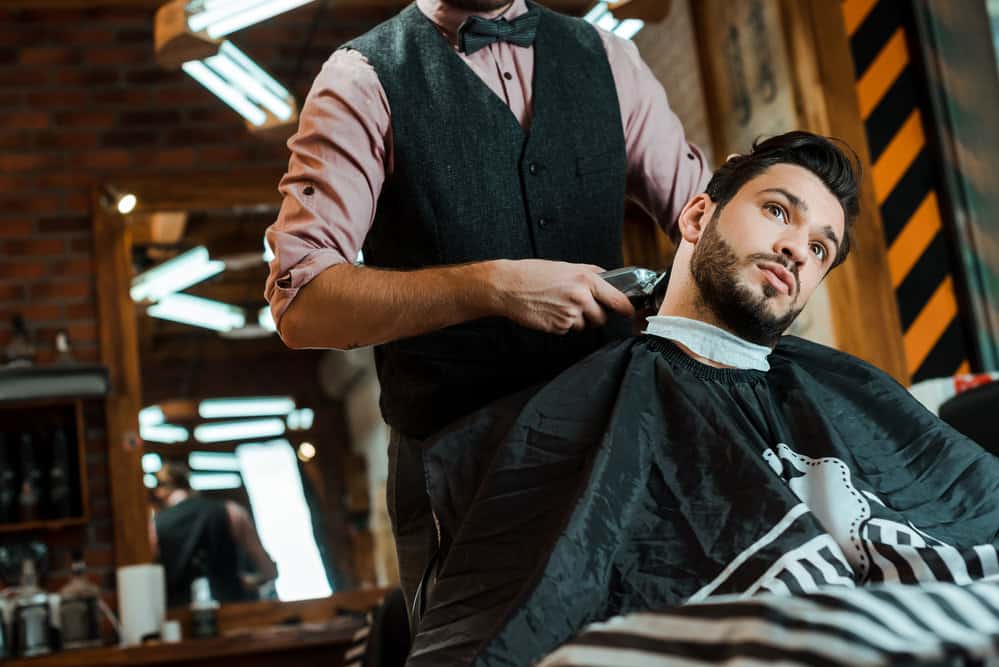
{"points": [[543, 222], [533, 168]]}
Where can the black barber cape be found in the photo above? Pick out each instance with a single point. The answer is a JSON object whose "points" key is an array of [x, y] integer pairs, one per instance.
{"points": [[640, 479]]}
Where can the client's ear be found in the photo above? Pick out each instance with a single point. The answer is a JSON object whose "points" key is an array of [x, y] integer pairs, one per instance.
{"points": [[694, 217]]}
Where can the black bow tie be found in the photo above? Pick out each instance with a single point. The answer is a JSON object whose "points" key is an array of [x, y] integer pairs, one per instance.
{"points": [[476, 32]]}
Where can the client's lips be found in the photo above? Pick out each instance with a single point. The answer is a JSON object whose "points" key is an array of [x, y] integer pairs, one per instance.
{"points": [[779, 277]]}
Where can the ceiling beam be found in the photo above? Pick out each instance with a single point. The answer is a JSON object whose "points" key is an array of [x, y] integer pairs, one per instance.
{"points": [[567, 6]]}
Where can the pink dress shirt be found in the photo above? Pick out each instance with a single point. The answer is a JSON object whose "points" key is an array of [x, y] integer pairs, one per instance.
{"points": [[342, 152]]}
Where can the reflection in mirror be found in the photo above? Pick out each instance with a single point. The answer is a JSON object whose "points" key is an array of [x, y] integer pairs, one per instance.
{"points": [[265, 466]]}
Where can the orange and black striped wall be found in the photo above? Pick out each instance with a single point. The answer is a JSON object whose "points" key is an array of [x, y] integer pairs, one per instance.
{"points": [[907, 185]]}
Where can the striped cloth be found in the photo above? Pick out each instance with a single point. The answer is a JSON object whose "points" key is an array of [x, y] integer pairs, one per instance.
{"points": [[889, 624], [355, 655]]}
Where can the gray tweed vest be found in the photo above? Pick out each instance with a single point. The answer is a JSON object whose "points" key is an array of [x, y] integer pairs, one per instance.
{"points": [[469, 184]]}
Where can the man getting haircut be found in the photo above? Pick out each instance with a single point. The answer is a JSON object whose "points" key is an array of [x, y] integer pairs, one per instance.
{"points": [[709, 456]]}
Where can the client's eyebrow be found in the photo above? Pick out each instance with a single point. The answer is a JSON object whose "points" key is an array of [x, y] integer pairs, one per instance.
{"points": [[831, 235], [794, 200]]}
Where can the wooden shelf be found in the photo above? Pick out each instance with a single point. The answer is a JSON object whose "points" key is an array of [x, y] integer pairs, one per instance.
{"points": [[50, 524], [33, 383], [232, 648]]}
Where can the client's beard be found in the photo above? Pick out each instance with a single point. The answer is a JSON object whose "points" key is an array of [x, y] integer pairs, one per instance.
{"points": [[477, 5], [714, 267]]}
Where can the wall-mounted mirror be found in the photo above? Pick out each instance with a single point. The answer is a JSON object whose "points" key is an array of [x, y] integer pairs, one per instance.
{"points": [[263, 467]]}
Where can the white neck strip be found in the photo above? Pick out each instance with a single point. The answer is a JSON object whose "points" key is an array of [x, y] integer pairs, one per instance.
{"points": [[710, 342]]}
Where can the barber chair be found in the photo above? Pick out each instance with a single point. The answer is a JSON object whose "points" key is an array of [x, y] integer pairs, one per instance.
{"points": [[389, 640], [973, 413]]}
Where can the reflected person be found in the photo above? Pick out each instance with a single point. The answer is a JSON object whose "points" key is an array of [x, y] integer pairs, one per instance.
{"points": [[193, 535]]}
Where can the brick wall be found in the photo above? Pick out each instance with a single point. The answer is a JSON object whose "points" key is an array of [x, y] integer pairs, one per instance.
{"points": [[82, 100]]}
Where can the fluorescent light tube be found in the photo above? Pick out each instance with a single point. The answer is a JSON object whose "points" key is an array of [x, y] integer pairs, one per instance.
{"points": [[163, 433], [246, 77], [301, 420], [174, 275], [225, 92], [243, 85], [595, 13], [215, 481], [222, 18], [198, 312], [265, 319], [213, 461], [151, 462], [257, 406], [601, 16], [151, 416], [628, 28], [239, 430]]}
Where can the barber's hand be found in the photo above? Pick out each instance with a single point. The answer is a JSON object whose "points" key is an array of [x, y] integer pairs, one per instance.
{"points": [[556, 297]]}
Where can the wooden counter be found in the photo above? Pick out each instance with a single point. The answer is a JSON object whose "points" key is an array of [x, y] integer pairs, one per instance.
{"points": [[317, 643]]}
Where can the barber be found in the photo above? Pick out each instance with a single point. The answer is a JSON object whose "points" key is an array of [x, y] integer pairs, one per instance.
{"points": [[481, 152]]}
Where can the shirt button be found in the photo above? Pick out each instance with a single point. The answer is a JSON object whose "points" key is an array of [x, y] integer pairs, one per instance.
{"points": [[309, 190], [533, 168], [543, 222], [507, 76]]}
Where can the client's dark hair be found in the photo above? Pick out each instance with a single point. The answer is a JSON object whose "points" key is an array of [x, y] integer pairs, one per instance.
{"points": [[837, 170]]}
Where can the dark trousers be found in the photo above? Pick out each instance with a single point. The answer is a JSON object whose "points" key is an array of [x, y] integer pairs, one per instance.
{"points": [[409, 510]]}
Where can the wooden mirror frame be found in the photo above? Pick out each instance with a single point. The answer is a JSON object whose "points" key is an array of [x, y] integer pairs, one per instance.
{"points": [[120, 353]]}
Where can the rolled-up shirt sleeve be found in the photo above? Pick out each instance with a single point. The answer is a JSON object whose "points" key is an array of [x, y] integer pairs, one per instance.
{"points": [[339, 159], [664, 169]]}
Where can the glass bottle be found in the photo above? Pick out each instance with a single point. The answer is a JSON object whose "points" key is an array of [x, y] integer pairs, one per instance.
{"points": [[31, 477], [60, 499], [8, 482], [204, 606], [79, 609], [31, 615]]}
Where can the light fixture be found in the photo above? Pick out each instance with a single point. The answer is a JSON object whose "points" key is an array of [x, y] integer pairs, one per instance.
{"points": [[187, 36], [151, 462], [254, 406], [215, 481], [174, 275], [122, 202], [306, 452], [602, 17], [213, 461], [244, 86], [166, 434], [150, 481], [266, 320], [151, 416], [218, 18], [239, 430], [198, 312], [127, 203], [301, 420]]}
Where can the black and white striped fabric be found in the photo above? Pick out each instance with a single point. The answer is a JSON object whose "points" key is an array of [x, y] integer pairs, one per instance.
{"points": [[882, 625], [355, 655]]}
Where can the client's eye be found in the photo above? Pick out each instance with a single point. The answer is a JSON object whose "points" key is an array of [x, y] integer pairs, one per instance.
{"points": [[820, 251], [777, 211]]}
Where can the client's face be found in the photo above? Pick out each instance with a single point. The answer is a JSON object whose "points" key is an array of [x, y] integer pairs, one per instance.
{"points": [[762, 255]]}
